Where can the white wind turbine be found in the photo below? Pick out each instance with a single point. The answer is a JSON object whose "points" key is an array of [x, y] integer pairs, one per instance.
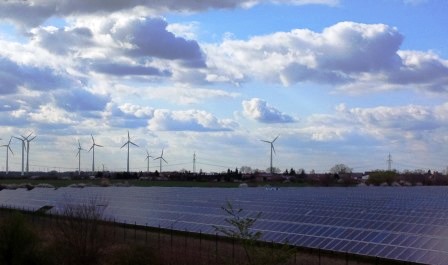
{"points": [[160, 159], [23, 152], [93, 153], [128, 143], [8, 149], [272, 149], [78, 154], [147, 158], [28, 150]]}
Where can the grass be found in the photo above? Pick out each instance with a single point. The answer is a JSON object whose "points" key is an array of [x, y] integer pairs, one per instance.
{"points": [[143, 183], [138, 183]]}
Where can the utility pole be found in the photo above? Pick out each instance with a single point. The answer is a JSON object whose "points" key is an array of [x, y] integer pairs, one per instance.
{"points": [[194, 162], [389, 163]]}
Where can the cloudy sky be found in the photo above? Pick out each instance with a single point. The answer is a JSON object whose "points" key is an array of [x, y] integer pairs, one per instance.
{"points": [[339, 81]]}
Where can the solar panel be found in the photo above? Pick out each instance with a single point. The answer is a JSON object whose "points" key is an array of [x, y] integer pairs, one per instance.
{"points": [[408, 224]]}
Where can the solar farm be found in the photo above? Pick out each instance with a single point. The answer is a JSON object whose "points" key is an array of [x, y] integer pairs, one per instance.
{"points": [[405, 224]]}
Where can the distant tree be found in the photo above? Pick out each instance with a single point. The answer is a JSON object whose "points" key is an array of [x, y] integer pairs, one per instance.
{"points": [[246, 170], [292, 172], [340, 169]]}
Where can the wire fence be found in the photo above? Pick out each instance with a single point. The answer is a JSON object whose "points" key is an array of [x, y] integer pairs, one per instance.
{"points": [[187, 248]]}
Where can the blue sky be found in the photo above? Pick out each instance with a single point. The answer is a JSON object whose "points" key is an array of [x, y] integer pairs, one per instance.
{"points": [[338, 81]]}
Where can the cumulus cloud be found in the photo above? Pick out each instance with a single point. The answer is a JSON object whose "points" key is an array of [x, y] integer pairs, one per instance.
{"points": [[347, 54], [121, 46], [128, 115], [80, 100], [392, 124], [261, 111], [14, 75], [189, 120], [34, 12], [50, 114], [63, 40]]}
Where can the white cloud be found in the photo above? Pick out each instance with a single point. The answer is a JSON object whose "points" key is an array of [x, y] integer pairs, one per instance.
{"points": [[34, 12], [348, 55], [188, 95], [189, 120], [261, 111], [49, 114]]}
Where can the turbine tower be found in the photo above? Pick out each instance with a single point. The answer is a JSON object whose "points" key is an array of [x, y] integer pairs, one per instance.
{"points": [[272, 149], [23, 153], [128, 143], [78, 154], [8, 148], [28, 150], [93, 153], [160, 159], [147, 158]]}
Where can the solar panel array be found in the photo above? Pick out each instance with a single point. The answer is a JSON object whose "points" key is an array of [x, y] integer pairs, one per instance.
{"points": [[408, 224]]}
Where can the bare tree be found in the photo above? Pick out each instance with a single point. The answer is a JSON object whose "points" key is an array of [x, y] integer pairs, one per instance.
{"points": [[79, 233]]}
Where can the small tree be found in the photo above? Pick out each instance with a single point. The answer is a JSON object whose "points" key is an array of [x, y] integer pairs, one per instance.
{"points": [[241, 229]]}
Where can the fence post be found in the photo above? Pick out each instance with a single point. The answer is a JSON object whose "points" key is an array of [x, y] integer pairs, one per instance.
{"points": [[124, 230], [158, 241], [318, 251], [216, 248], [233, 250], [135, 231]]}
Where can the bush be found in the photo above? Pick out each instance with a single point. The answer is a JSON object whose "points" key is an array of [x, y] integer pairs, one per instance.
{"points": [[18, 241]]}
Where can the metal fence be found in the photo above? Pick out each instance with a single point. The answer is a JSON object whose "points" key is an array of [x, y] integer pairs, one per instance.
{"points": [[183, 247]]}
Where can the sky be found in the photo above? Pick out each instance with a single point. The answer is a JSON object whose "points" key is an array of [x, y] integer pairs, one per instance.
{"points": [[338, 81]]}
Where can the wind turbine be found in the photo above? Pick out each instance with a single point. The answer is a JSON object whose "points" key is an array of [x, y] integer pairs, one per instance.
{"points": [[23, 152], [272, 149], [28, 150], [78, 154], [147, 158], [160, 159], [128, 143], [93, 153], [8, 148]]}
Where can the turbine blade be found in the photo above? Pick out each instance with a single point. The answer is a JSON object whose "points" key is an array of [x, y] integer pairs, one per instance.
{"points": [[273, 148], [133, 144], [164, 160], [10, 150], [124, 145], [91, 147], [32, 138], [275, 138], [99, 145], [93, 140]]}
